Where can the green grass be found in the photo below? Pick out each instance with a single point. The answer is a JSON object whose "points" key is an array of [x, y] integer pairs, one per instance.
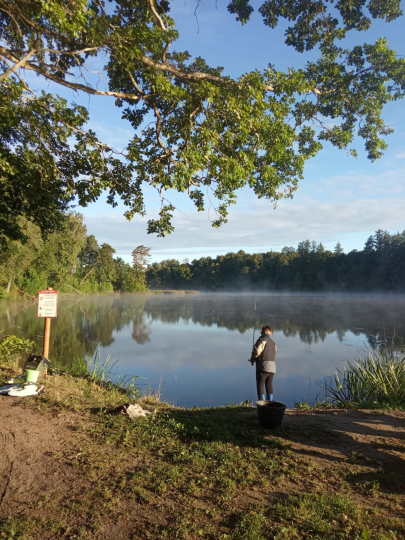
{"points": [[203, 473], [83, 382], [315, 516], [377, 381], [317, 405], [373, 382], [99, 371], [208, 473]]}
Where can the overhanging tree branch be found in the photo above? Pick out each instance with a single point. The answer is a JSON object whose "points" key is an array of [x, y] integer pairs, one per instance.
{"points": [[17, 65], [209, 129], [156, 15], [74, 86], [164, 66]]}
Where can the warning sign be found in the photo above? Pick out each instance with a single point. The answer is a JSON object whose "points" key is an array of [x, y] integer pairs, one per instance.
{"points": [[47, 303]]}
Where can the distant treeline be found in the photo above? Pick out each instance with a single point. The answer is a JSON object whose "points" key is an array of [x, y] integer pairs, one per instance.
{"points": [[310, 267], [63, 258]]}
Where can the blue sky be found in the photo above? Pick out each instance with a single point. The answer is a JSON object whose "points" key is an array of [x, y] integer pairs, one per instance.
{"points": [[340, 199]]}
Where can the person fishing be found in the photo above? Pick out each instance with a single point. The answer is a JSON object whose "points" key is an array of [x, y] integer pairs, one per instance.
{"points": [[264, 356]]}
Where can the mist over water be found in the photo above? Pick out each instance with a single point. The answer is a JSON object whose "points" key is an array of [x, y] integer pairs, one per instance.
{"points": [[198, 345]]}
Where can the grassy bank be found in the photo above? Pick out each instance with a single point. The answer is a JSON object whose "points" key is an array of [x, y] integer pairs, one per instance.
{"points": [[376, 381], [210, 473]]}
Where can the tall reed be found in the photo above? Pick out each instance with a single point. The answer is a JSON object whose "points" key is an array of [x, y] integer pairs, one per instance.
{"points": [[375, 381], [101, 372]]}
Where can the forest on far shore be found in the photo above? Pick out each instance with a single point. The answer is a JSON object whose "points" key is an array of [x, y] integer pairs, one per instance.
{"points": [[379, 266], [70, 260], [66, 258]]}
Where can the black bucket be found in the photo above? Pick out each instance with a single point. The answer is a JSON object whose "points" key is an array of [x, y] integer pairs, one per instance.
{"points": [[270, 414]]}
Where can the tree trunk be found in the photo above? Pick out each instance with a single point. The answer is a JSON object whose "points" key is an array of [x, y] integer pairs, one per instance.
{"points": [[88, 273], [9, 284]]}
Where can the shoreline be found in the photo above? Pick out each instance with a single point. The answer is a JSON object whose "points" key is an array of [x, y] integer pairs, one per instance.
{"points": [[71, 471], [16, 298], [389, 295]]}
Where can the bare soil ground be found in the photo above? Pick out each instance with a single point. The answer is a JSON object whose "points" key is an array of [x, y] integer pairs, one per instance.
{"points": [[41, 452], [32, 445], [375, 436]]}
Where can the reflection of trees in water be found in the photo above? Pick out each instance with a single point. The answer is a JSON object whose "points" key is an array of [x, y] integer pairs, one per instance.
{"points": [[140, 333], [84, 324], [308, 333], [386, 337], [205, 315], [340, 334], [311, 318]]}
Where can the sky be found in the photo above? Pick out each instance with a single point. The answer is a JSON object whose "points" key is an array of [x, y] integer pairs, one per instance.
{"points": [[341, 198]]}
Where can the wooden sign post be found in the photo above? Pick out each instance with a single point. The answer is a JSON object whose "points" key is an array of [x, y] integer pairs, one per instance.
{"points": [[47, 308]]}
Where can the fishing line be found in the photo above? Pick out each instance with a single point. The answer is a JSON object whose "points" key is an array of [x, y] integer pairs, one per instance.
{"points": [[254, 325]]}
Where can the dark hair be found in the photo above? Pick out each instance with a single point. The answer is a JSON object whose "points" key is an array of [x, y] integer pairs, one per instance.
{"points": [[266, 329]]}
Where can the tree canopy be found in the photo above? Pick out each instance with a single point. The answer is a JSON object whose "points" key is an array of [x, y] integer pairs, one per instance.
{"points": [[195, 130], [67, 259], [310, 267]]}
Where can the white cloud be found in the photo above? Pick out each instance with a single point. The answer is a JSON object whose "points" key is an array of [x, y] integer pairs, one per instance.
{"points": [[352, 185], [260, 229]]}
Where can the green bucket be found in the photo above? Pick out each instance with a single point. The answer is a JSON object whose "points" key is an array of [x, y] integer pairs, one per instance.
{"points": [[32, 376]]}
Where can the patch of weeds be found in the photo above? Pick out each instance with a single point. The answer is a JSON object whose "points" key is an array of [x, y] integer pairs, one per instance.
{"points": [[316, 406], [29, 528], [194, 455], [368, 489], [252, 526], [316, 516], [188, 524], [66, 392], [366, 481], [355, 456], [14, 529], [370, 382], [234, 424]]}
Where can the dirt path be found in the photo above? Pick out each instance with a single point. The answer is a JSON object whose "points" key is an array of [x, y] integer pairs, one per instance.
{"points": [[336, 436], [31, 445]]}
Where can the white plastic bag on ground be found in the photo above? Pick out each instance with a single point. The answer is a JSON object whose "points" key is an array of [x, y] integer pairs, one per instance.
{"points": [[132, 411], [24, 390]]}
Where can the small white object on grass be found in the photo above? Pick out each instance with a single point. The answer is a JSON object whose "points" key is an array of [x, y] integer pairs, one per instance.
{"points": [[132, 411], [24, 390]]}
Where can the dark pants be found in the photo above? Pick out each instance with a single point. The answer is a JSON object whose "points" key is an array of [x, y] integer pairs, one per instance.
{"points": [[264, 378]]}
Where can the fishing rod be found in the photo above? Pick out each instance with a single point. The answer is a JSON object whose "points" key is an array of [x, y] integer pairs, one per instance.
{"points": [[254, 328], [254, 325]]}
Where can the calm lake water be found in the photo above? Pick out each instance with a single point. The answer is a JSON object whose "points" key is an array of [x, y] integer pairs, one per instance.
{"points": [[198, 345]]}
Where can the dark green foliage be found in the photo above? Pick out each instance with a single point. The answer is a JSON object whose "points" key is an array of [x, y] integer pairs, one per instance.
{"points": [[380, 266], [242, 9], [195, 131], [64, 259], [11, 345], [41, 171]]}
